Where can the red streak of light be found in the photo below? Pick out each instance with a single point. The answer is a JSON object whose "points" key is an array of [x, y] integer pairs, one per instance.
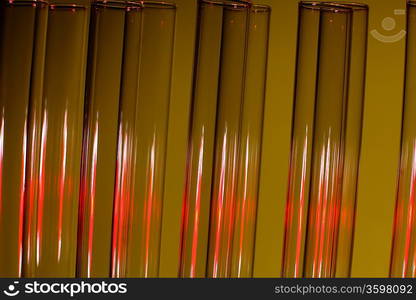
{"points": [[31, 196], [92, 199], [123, 197], [116, 215], [410, 217], [318, 211], [301, 208], [244, 206], [62, 183], [220, 201], [22, 197], [149, 204], [41, 188], [231, 208], [197, 206], [323, 221]]}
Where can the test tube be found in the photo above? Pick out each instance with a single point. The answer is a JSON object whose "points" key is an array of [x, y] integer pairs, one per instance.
{"points": [[352, 135], [200, 160], [302, 135], [54, 145], [225, 140], [21, 30], [251, 131], [227, 134], [144, 111], [326, 161], [403, 257], [100, 138], [326, 139]]}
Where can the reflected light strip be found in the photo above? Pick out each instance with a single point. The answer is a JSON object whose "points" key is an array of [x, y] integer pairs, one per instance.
{"points": [[220, 204], [231, 202], [123, 198], [33, 181], [197, 205], [301, 207], [22, 196], [244, 206], [318, 211], [323, 221], [92, 199], [62, 182], [149, 203], [41, 188], [116, 215], [410, 217]]}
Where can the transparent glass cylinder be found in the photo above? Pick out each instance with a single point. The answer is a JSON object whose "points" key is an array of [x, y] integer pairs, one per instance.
{"points": [[250, 144], [100, 138], [21, 35], [225, 140], [54, 145], [326, 139], [144, 111], [403, 258]]}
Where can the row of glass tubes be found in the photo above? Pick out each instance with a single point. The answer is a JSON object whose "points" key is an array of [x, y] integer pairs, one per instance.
{"points": [[84, 98]]}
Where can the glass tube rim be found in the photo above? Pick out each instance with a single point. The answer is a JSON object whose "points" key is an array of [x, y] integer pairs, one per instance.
{"points": [[120, 4], [355, 6], [261, 8], [111, 4], [25, 2], [155, 4], [229, 4], [60, 5], [323, 6]]}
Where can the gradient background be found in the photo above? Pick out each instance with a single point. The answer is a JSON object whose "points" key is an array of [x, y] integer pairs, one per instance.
{"points": [[380, 150]]}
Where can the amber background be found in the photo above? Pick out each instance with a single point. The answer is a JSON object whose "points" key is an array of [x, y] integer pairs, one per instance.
{"points": [[380, 150]]}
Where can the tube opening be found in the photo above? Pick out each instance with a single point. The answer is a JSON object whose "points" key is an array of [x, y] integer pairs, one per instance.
{"points": [[351, 5], [64, 6], [156, 4], [228, 4], [111, 4], [260, 8], [324, 6], [24, 3]]}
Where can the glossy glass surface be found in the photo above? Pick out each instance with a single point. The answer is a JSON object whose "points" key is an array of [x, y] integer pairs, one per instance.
{"points": [[54, 150], [403, 260], [326, 139], [250, 144], [144, 112], [17, 58], [100, 138]]}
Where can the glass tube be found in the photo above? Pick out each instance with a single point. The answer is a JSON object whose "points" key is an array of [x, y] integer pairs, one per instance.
{"points": [[302, 135], [212, 25], [226, 131], [100, 138], [18, 41], [352, 135], [145, 94], [326, 139], [326, 163], [197, 195], [242, 256], [230, 102], [403, 259], [54, 148]]}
